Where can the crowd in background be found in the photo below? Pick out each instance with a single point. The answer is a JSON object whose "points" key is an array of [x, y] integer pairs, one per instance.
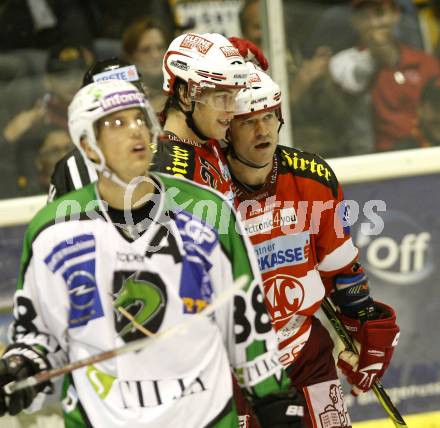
{"points": [[364, 75]]}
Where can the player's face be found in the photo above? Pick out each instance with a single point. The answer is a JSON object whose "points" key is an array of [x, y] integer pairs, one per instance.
{"points": [[255, 137], [213, 112], [124, 139]]}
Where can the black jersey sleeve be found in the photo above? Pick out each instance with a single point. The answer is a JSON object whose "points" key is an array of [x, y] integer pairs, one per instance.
{"points": [[70, 173]]}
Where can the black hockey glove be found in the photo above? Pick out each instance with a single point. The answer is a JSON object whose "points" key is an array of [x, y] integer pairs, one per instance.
{"points": [[20, 362]]}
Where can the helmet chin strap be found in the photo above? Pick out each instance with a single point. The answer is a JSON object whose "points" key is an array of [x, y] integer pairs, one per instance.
{"points": [[190, 122], [108, 173], [244, 161]]}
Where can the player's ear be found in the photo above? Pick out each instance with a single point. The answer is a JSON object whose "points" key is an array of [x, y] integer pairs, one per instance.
{"points": [[91, 154]]}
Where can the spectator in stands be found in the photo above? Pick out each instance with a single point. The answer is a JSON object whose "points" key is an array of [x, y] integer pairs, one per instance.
{"points": [[426, 132], [24, 132], [320, 111], [318, 108], [333, 26], [250, 22], [116, 15], [64, 70], [40, 24], [55, 146], [144, 43], [35, 160], [393, 74]]}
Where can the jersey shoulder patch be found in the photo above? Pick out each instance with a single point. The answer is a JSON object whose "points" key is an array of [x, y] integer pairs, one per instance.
{"points": [[174, 157], [307, 165]]}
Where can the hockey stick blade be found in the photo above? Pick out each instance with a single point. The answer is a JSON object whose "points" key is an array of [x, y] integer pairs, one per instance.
{"points": [[347, 340], [136, 345]]}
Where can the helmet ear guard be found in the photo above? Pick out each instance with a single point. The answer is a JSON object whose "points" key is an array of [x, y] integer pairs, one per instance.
{"points": [[194, 89]]}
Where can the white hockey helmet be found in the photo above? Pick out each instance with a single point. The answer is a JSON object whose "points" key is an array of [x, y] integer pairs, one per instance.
{"points": [[97, 100], [203, 61], [263, 95]]}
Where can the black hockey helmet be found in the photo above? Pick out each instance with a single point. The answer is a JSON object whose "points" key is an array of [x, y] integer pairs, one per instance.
{"points": [[114, 68]]}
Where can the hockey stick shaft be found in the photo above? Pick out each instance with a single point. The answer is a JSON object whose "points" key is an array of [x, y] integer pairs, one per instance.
{"points": [[349, 344], [136, 345]]}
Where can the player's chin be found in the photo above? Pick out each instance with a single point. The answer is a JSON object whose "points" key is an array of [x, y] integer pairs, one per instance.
{"points": [[140, 163], [218, 134]]}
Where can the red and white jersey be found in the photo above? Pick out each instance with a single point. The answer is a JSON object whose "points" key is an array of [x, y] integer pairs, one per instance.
{"points": [[296, 224], [203, 163]]}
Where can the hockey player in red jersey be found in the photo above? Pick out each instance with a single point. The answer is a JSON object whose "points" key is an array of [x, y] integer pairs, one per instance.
{"points": [[294, 213], [203, 74]]}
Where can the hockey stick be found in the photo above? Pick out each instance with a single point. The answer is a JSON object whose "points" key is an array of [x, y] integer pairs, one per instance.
{"points": [[136, 325], [349, 344], [136, 345]]}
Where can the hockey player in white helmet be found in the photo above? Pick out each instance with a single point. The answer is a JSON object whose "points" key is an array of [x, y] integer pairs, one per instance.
{"points": [[71, 172], [126, 242], [203, 74], [83, 124], [303, 255]]}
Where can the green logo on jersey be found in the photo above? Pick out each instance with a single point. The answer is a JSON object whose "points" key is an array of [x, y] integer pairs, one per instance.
{"points": [[101, 382], [147, 297]]}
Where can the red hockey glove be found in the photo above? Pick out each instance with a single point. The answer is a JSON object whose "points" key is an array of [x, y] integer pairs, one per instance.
{"points": [[250, 52], [377, 339]]}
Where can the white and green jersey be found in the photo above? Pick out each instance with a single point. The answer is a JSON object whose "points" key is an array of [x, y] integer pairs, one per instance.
{"points": [[76, 265]]}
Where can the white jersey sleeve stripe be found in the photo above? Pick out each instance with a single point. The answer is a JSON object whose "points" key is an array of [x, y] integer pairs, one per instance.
{"points": [[339, 258], [74, 172]]}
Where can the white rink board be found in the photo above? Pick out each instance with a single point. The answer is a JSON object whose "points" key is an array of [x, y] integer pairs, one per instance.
{"points": [[353, 169]]}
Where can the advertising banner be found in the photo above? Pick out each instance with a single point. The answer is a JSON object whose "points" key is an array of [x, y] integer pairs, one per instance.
{"points": [[398, 234]]}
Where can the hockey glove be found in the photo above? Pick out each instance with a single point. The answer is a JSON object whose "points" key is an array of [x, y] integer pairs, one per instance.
{"points": [[250, 52], [377, 339], [20, 362], [281, 411]]}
